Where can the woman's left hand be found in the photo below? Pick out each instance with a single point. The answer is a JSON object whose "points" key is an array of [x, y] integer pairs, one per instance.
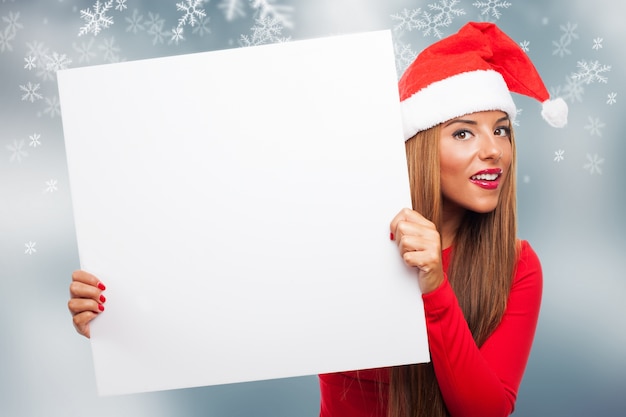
{"points": [[420, 246]]}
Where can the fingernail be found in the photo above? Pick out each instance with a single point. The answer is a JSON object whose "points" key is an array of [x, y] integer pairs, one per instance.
{"points": [[391, 236], [101, 286], [100, 307], [102, 298]]}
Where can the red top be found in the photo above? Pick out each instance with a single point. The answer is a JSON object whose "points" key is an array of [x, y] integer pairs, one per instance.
{"points": [[474, 382]]}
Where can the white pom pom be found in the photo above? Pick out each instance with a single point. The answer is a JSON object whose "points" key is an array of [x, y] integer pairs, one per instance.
{"points": [[555, 112]]}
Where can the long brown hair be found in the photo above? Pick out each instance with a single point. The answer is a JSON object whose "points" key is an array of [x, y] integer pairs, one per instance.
{"points": [[480, 270]]}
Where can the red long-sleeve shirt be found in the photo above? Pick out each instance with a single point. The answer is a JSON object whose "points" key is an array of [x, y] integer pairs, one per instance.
{"points": [[474, 381]]}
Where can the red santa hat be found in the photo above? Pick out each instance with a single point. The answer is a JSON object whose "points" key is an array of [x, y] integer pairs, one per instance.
{"points": [[472, 70]]}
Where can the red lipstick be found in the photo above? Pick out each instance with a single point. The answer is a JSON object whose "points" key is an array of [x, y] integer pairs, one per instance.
{"points": [[488, 179]]}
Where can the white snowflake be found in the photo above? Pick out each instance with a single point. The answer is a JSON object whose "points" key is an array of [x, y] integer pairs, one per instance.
{"points": [[53, 107], [404, 56], [203, 27], [526, 179], [13, 24], [177, 35], [407, 19], [597, 43], [446, 11], [192, 13], [135, 24], [232, 9], [5, 41], [558, 155], [595, 126], [110, 50], [17, 151], [121, 5], [279, 13], [569, 32], [525, 46], [591, 71], [51, 186], [34, 140], [57, 62], [155, 28], [573, 90], [30, 248], [266, 30], [492, 7], [30, 92], [30, 62], [593, 164], [612, 99], [561, 48], [37, 50], [430, 25], [97, 19], [85, 51]]}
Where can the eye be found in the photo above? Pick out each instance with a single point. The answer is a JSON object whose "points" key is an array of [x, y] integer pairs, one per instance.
{"points": [[503, 131], [462, 134]]}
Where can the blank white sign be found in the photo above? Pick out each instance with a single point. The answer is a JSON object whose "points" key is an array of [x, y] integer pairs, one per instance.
{"points": [[236, 204]]}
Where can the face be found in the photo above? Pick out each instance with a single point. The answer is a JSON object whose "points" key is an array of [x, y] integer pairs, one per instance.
{"points": [[475, 158]]}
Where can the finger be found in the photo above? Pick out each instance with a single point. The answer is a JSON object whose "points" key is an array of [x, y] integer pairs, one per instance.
{"points": [[81, 290], [87, 278], [81, 305], [408, 217], [81, 322]]}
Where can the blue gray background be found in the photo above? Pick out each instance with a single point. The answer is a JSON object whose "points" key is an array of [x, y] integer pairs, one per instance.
{"points": [[571, 194]]}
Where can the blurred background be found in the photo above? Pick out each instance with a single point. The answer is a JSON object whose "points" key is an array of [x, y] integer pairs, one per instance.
{"points": [[571, 194]]}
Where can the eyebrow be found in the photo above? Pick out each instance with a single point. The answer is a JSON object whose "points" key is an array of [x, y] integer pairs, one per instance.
{"points": [[473, 122]]}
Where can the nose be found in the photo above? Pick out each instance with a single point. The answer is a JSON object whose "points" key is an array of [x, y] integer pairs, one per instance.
{"points": [[490, 149]]}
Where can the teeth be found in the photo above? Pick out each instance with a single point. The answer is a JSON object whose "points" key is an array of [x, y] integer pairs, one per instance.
{"points": [[485, 177]]}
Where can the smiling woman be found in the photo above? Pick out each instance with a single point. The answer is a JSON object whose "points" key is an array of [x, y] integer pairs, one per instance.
{"points": [[481, 286]]}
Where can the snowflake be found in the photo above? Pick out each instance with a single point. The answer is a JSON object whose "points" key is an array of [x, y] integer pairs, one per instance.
{"points": [[121, 5], [97, 19], [569, 32], [155, 28], [612, 98], [192, 13], [12, 23], [446, 10], [85, 51], [134, 22], [404, 56], [30, 92], [591, 71], [53, 108], [37, 50], [203, 27], [17, 151], [518, 113], [525, 46], [34, 140], [57, 62], [407, 20], [526, 179], [558, 155], [232, 9], [177, 35], [561, 48], [110, 50], [491, 7], [5, 39], [266, 30], [30, 248], [595, 126], [573, 90], [597, 43], [593, 164], [51, 186], [30, 62], [278, 13], [430, 25]]}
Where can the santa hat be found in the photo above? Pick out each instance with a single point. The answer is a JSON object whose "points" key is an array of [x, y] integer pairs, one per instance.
{"points": [[472, 70]]}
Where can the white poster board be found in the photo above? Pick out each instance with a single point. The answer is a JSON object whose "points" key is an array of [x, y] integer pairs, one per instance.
{"points": [[236, 204]]}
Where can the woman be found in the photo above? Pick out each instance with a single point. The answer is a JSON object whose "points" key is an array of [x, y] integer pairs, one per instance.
{"points": [[481, 286]]}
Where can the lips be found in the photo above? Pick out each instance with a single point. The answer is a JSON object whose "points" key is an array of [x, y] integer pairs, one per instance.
{"points": [[488, 179]]}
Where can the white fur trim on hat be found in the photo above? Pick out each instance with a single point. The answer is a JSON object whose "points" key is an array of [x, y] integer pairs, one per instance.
{"points": [[455, 96]]}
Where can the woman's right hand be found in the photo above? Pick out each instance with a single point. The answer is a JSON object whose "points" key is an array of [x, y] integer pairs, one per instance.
{"points": [[86, 300]]}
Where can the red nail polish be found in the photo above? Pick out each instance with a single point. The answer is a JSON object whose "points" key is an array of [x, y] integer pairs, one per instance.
{"points": [[102, 298], [101, 286], [100, 307], [391, 236]]}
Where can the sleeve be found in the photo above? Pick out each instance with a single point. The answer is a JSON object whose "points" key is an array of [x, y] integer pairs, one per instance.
{"points": [[484, 382]]}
